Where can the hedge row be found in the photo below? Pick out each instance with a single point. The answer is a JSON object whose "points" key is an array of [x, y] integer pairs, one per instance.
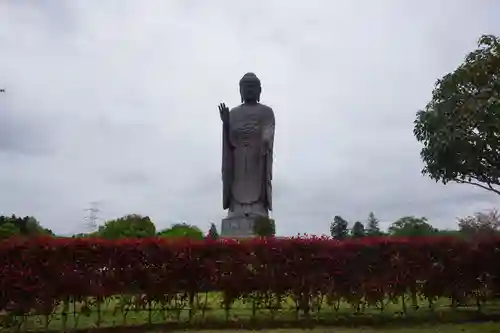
{"points": [[37, 274]]}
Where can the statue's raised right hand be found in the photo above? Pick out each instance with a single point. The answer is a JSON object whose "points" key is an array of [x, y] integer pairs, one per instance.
{"points": [[224, 112]]}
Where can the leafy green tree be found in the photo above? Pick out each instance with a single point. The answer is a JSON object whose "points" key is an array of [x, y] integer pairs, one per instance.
{"points": [[338, 228], [358, 230], [182, 230], [8, 230], [460, 126], [34, 228], [128, 226], [212, 232], [372, 225], [19, 223], [411, 226], [26, 226], [264, 227]]}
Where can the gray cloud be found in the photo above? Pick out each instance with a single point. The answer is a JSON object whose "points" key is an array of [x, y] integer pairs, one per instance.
{"points": [[20, 130], [115, 102]]}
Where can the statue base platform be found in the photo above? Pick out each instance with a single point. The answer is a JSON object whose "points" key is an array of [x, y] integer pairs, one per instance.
{"points": [[237, 227]]}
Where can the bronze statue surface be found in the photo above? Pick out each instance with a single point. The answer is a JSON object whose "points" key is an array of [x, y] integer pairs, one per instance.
{"points": [[247, 156]]}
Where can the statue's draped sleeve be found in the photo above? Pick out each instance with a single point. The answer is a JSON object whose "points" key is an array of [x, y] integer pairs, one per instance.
{"points": [[227, 166], [268, 138]]}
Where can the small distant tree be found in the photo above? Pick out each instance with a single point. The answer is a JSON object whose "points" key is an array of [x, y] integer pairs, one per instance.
{"points": [[83, 235], [358, 230], [481, 223], [212, 232], [182, 230], [372, 225], [133, 226], [264, 227], [338, 228], [449, 233], [411, 226]]}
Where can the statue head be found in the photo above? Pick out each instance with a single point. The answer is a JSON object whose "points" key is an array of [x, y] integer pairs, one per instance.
{"points": [[250, 88]]}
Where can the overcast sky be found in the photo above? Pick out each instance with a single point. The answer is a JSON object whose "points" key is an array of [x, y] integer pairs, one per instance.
{"points": [[116, 102]]}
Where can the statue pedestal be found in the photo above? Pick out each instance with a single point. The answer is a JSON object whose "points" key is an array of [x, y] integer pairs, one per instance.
{"points": [[237, 226]]}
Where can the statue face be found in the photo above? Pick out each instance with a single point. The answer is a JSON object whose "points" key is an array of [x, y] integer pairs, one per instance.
{"points": [[250, 89]]}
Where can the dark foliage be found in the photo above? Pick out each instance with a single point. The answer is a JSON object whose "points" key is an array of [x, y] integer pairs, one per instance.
{"points": [[38, 273]]}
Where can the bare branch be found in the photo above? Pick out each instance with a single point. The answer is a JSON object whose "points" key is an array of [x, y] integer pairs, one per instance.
{"points": [[492, 188], [488, 188]]}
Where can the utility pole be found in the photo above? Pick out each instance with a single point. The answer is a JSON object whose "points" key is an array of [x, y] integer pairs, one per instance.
{"points": [[92, 216]]}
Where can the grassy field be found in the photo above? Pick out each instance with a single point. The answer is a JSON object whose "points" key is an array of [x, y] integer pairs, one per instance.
{"points": [[121, 312]]}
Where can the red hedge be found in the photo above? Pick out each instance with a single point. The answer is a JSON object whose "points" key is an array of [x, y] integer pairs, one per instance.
{"points": [[37, 273]]}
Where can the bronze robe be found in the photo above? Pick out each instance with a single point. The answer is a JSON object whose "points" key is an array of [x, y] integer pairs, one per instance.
{"points": [[248, 141]]}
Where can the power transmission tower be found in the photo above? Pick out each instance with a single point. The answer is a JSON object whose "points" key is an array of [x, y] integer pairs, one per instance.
{"points": [[92, 217]]}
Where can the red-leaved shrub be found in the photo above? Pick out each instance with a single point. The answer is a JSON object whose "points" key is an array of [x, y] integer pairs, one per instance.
{"points": [[37, 273]]}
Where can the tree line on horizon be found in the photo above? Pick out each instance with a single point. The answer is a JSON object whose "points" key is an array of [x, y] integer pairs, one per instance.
{"points": [[138, 226], [128, 226], [132, 225], [480, 224]]}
